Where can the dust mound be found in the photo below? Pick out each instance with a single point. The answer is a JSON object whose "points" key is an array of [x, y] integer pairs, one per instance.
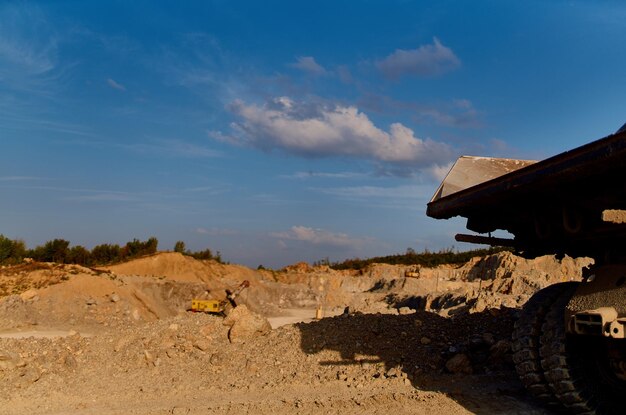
{"points": [[171, 265]]}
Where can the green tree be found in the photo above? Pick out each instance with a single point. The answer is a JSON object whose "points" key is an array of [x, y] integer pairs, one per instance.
{"points": [[11, 251], [79, 255], [56, 250], [6, 249], [137, 248], [105, 253], [180, 247]]}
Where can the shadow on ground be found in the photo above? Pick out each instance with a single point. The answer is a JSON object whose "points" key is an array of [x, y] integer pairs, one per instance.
{"points": [[418, 346]]}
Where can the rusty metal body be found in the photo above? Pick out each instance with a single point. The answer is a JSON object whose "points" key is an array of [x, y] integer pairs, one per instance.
{"points": [[553, 206]]}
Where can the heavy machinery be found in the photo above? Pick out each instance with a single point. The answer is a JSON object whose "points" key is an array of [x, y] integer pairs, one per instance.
{"points": [[219, 306], [569, 343]]}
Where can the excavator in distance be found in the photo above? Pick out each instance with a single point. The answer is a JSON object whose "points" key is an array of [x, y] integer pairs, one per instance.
{"points": [[219, 306]]}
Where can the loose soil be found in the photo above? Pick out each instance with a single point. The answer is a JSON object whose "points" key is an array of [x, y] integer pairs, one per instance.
{"points": [[118, 340]]}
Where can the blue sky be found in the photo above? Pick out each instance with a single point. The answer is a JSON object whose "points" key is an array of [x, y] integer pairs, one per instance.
{"points": [[282, 131]]}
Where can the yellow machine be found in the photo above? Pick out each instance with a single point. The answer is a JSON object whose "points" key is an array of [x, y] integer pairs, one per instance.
{"points": [[207, 306], [217, 306]]}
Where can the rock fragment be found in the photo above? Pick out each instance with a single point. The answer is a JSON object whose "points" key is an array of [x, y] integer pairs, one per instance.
{"points": [[245, 324], [460, 363], [28, 295]]}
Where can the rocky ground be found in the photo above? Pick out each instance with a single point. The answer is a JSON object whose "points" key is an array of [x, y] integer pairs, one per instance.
{"points": [[118, 340]]}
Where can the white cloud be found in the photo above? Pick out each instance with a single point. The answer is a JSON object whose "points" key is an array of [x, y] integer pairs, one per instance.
{"points": [[318, 237], [316, 130], [439, 172], [426, 60], [309, 65], [115, 85]]}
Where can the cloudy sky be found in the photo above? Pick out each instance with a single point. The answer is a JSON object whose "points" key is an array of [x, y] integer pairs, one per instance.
{"points": [[278, 131]]}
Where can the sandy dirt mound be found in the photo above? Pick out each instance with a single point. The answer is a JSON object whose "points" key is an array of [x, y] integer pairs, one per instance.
{"points": [[264, 295], [20, 278]]}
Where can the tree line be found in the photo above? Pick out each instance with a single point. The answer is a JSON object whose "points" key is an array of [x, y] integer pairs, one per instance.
{"points": [[411, 257], [13, 251]]}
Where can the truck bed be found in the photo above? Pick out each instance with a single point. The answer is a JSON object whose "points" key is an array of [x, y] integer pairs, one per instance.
{"points": [[554, 206]]}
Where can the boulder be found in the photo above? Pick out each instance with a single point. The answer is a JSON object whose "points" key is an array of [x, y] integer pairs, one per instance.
{"points": [[244, 324], [459, 363]]}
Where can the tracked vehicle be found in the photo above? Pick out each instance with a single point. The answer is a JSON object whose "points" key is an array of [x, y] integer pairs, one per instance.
{"points": [[569, 343]]}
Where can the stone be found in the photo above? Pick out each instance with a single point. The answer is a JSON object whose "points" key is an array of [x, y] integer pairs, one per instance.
{"points": [[406, 310], [500, 353], [202, 345], [216, 359], [114, 298], [70, 361], [149, 356], [29, 295], [460, 363], [392, 373], [425, 340], [245, 324]]}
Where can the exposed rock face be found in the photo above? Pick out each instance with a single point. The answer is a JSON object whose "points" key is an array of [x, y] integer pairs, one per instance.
{"points": [[515, 275]]}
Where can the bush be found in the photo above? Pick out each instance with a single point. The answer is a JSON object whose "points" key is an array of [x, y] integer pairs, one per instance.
{"points": [[206, 254], [180, 247], [426, 258], [11, 251], [79, 255], [137, 248], [56, 250], [106, 253]]}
